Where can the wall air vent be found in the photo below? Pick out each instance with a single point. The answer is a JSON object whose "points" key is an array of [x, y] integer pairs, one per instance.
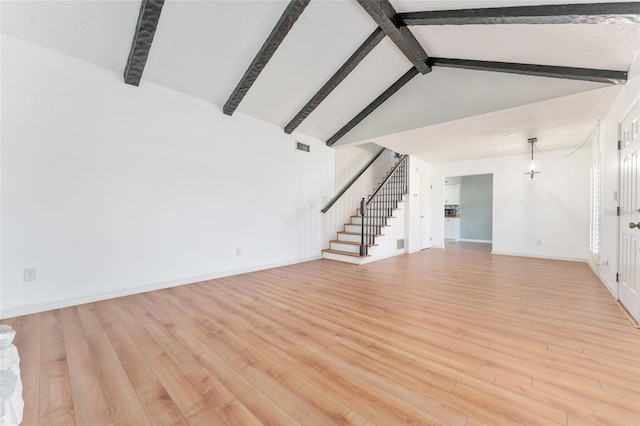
{"points": [[303, 147], [401, 244]]}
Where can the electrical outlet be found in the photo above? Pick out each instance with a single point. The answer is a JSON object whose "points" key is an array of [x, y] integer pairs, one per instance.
{"points": [[238, 251], [30, 274]]}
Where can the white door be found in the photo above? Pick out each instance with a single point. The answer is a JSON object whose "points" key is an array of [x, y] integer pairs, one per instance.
{"points": [[629, 264], [425, 212]]}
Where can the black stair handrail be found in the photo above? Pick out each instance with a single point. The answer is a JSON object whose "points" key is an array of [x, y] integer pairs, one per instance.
{"points": [[385, 199], [351, 182]]}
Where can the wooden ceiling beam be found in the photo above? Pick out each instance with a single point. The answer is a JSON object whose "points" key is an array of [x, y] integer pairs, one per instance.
{"points": [[279, 32], [586, 74], [366, 47], [143, 37], [591, 13], [373, 105], [385, 16]]}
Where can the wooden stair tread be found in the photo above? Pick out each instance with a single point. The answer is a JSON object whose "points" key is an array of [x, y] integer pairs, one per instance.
{"points": [[358, 224], [344, 253], [378, 208], [357, 215], [353, 243], [357, 233]]}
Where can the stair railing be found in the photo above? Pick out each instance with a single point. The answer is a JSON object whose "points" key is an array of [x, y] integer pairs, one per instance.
{"points": [[352, 181], [375, 212]]}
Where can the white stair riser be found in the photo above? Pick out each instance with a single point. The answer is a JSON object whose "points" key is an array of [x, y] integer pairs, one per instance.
{"points": [[343, 258], [380, 207], [351, 248], [367, 228], [354, 228], [384, 205], [358, 220], [372, 252], [347, 237]]}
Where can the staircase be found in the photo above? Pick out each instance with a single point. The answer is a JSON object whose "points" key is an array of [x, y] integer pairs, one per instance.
{"points": [[379, 232]]}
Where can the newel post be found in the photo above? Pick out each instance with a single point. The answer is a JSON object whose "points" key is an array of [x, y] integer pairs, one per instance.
{"points": [[363, 246]]}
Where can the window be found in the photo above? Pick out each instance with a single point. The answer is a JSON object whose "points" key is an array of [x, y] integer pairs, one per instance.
{"points": [[594, 234]]}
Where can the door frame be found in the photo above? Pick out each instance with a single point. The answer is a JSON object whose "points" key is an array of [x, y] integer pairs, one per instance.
{"points": [[623, 116], [425, 215]]}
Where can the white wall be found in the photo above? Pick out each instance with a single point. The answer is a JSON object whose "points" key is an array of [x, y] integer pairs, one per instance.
{"points": [[609, 135], [110, 189], [350, 160], [546, 218]]}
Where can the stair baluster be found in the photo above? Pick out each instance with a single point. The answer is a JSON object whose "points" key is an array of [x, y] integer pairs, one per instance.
{"points": [[380, 206]]}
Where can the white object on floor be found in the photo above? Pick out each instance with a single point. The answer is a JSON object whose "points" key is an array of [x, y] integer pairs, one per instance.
{"points": [[11, 402]]}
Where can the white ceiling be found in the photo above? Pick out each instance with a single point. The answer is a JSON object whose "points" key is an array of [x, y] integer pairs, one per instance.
{"points": [[577, 45], [558, 123], [451, 94], [202, 48], [96, 31]]}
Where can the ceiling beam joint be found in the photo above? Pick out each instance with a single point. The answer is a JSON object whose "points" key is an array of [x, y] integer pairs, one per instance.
{"points": [[385, 16]]}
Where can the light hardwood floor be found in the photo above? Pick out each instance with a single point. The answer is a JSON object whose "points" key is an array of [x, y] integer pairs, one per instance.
{"points": [[455, 336]]}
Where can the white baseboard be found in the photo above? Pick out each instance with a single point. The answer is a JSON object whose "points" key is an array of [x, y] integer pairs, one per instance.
{"points": [[65, 303], [465, 240], [375, 258], [540, 256], [613, 289]]}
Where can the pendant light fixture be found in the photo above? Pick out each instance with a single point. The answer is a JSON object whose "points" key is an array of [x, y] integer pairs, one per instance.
{"points": [[534, 170]]}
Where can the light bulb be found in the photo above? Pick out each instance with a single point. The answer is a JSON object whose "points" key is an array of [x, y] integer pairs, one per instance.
{"points": [[534, 171]]}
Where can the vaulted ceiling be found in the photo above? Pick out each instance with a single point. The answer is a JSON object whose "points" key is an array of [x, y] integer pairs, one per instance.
{"points": [[432, 84]]}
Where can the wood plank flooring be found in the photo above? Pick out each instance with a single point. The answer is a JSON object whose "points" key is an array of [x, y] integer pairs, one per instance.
{"points": [[455, 336]]}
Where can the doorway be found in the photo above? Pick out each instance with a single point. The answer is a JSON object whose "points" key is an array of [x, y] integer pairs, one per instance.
{"points": [[425, 212], [468, 208]]}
